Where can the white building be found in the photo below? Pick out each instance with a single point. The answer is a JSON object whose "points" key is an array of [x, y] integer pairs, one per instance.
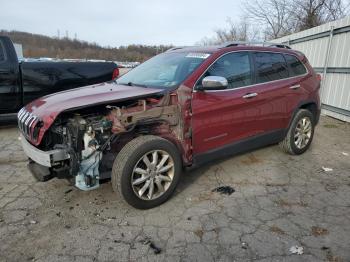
{"points": [[328, 50]]}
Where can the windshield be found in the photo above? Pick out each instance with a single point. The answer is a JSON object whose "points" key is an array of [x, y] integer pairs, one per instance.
{"points": [[164, 71]]}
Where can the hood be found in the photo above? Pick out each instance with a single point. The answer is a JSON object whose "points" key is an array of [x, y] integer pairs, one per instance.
{"points": [[47, 108], [84, 96]]}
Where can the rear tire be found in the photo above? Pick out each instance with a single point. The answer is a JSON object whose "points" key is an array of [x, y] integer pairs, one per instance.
{"points": [[300, 133], [144, 161]]}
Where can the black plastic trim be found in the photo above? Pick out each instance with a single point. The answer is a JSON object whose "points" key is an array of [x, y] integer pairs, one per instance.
{"points": [[242, 146]]}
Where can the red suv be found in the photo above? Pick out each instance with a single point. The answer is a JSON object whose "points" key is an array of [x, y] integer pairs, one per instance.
{"points": [[178, 109]]}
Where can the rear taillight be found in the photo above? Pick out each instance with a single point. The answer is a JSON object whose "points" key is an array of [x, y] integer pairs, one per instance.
{"points": [[319, 77], [115, 73]]}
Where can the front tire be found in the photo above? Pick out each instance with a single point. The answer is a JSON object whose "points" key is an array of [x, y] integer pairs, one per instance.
{"points": [[146, 171], [300, 133]]}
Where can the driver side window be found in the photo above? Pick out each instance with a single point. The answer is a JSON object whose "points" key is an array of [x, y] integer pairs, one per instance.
{"points": [[235, 67]]}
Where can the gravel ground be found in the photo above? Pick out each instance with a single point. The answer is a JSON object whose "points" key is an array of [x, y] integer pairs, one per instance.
{"points": [[280, 202]]}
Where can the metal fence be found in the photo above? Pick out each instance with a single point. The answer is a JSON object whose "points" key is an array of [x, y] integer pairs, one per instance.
{"points": [[328, 50]]}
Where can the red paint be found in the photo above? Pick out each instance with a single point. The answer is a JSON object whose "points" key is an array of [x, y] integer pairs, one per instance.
{"points": [[208, 119], [115, 73], [49, 107]]}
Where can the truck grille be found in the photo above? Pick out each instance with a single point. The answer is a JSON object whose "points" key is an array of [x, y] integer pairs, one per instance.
{"points": [[28, 124]]}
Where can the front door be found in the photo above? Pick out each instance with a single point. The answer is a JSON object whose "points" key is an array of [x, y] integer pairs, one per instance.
{"points": [[221, 117]]}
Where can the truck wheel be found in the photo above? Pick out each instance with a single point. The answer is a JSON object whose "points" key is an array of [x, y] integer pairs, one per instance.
{"points": [[300, 133], [146, 171]]}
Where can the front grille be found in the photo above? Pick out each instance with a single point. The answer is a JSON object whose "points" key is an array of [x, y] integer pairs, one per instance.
{"points": [[28, 124]]}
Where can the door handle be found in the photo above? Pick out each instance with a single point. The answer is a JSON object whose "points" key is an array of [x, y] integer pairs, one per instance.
{"points": [[250, 95], [295, 87]]}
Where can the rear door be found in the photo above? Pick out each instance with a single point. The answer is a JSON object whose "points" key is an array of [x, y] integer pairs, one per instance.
{"points": [[10, 93], [298, 82], [272, 82]]}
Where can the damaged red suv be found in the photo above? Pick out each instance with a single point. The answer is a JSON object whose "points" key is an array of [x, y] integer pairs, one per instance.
{"points": [[178, 109]]}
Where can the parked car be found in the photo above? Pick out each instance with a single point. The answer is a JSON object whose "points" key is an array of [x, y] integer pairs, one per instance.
{"points": [[177, 110], [23, 82]]}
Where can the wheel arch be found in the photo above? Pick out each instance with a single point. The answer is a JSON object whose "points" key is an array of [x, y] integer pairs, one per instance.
{"points": [[308, 105], [155, 129]]}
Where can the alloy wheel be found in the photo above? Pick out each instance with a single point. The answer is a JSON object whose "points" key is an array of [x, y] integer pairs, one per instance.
{"points": [[303, 132], [152, 175]]}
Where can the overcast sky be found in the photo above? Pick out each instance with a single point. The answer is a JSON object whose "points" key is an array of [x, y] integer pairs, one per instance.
{"points": [[115, 23]]}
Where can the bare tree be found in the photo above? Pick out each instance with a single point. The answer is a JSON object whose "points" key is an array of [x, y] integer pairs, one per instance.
{"points": [[311, 13], [273, 17], [235, 31], [277, 18]]}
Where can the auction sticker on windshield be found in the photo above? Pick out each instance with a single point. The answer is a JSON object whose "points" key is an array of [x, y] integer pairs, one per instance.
{"points": [[198, 55]]}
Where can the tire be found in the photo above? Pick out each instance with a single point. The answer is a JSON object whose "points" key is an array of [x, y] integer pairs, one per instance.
{"points": [[132, 158], [290, 142]]}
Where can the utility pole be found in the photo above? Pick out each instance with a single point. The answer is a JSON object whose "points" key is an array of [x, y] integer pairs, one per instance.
{"points": [[58, 33]]}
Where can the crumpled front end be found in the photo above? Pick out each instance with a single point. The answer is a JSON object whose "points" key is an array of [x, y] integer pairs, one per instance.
{"points": [[81, 144]]}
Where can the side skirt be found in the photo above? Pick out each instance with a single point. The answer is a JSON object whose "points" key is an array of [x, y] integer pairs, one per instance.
{"points": [[240, 147]]}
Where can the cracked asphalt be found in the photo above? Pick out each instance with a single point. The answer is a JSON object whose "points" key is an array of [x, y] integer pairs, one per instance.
{"points": [[280, 201]]}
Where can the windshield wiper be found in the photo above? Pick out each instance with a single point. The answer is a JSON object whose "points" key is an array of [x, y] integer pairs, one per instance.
{"points": [[131, 84]]}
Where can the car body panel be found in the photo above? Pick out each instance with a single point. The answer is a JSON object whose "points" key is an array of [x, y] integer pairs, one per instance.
{"points": [[49, 107]]}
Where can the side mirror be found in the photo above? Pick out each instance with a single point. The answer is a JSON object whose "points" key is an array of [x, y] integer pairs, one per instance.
{"points": [[214, 83]]}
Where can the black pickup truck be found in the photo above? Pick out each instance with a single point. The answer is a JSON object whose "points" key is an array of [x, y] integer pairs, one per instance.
{"points": [[22, 82]]}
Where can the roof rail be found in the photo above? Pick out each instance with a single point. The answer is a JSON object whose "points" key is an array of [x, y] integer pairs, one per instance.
{"points": [[267, 44], [175, 48]]}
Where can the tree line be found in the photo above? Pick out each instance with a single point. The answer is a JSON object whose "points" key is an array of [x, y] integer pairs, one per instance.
{"points": [[35, 46]]}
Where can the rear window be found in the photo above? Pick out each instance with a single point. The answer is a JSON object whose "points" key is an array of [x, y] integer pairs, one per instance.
{"points": [[270, 67], [296, 66], [2, 53]]}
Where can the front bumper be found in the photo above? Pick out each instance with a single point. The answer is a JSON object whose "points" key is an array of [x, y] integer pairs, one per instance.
{"points": [[44, 158]]}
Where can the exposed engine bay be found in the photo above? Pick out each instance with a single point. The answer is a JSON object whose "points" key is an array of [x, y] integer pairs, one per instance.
{"points": [[93, 136]]}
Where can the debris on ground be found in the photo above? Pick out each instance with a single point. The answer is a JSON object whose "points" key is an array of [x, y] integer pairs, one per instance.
{"points": [[68, 191], [156, 249], [345, 154], [327, 169], [199, 233], [319, 231], [147, 241], [33, 222], [244, 245], [330, 187], [277, 230], [226, 190], [297, 250]]}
